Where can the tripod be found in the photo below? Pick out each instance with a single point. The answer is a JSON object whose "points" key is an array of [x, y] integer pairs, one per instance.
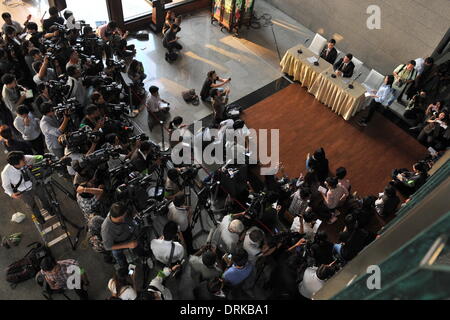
{"points": [[203, 203], [48, 187]]}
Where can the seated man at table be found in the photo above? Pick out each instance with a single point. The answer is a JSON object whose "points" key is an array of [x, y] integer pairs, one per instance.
{"points": [[344, 67], [329, 52]]}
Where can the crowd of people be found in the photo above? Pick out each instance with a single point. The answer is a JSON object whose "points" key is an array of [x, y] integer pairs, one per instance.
{"points": [[64, 94]]}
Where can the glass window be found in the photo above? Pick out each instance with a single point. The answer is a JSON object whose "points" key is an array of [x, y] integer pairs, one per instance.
{"points": [[94, 12], [136, 8]]}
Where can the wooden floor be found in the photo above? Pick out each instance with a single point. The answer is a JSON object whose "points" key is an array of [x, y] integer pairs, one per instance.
{"points": [[369, 154]]}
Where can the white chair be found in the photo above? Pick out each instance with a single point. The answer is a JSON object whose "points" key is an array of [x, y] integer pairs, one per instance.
{"points": [[317, 44], [358, 64], [373, 81]]}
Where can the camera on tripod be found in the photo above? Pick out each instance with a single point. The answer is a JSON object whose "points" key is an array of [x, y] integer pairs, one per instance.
{"points": [[45, 168], [189, 173], [154, 208], [80, 138], [116, 110], [135, 191]]}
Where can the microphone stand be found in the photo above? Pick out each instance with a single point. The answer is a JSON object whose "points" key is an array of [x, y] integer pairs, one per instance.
{"points": [[350, 86], [299, 51]]}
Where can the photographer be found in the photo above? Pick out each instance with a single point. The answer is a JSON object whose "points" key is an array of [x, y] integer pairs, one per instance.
{"points": [[166, 249], [36, 36], [54, 18], [89, 198], [407, 182], [43, 96], [43, 72], [211, 83], [77, 89], [9, 22], [52, 129], [182, 216], [240, 269], [142, 159], [219, 101], [173, 186], [28, 126], [92, 119], [118, 233], [17, 186]]}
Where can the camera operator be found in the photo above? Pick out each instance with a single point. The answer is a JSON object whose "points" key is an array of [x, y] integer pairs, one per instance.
{"points": [[77, 89], [98, 100], [43, 96], [407, 182], [89, 198], [118, 232], [211, 83], [173, 186], [92, 119], [52, 129], [166, 249], [43, 72], [54, 18], [181, 214], [142, 159], [17, 186], [35, 35]]}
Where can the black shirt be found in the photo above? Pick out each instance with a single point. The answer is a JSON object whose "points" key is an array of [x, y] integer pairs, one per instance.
{"points": [[51, 21], [15, 145], [356, 242], [206, 89]]}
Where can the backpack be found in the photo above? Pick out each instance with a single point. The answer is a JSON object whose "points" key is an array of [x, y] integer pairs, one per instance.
{"points": [[190, 97], [27, 267]]}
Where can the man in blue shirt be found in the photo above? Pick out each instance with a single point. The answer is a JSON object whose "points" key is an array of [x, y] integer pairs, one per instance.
{"points": [[240, 270]]}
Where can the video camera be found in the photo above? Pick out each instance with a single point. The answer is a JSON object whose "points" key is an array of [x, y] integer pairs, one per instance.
{"points": [[101, 156], [189, 173], [67, 108], [45, 168], [111, 63], [116, 110], [58, 89], [135, 191], [80, 138], [154, 208], [140, 137]]}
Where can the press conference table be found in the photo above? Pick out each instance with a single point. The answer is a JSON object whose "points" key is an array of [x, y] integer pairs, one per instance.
{"points": [[333, 92]]}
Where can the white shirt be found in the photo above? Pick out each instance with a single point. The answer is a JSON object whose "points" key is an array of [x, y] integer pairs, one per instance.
{"points": [[11, 175], [30, 132], [157, 282], [161, 250], [251, 247], [77, 90], [420, 65], [179, 216], [310, 284], [307, 229], [228, 240], [126, 294], [153, 103]]}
